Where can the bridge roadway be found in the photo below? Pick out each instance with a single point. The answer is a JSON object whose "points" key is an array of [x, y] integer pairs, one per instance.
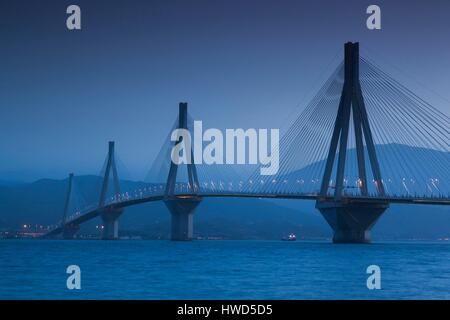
{"points": [[134, 201]]}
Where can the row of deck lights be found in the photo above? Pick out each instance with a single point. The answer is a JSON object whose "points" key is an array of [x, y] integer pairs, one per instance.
{"points": [[139, 193]]}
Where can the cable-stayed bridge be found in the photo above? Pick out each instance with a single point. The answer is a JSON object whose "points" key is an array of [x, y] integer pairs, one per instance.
{"points": [[363, 142]]}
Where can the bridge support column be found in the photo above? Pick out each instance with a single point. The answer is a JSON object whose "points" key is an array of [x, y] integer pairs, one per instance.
{"points": [[69, 231], [351, 222], [110, 220], [182, 211]]}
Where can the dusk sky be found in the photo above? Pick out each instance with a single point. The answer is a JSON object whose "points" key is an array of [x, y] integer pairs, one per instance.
{"points": [[239, 64]]}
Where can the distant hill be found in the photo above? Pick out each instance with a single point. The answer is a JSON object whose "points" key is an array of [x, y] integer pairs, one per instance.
{"points": [[399, 221], [405, 170], [8, 183], [41, 202]]}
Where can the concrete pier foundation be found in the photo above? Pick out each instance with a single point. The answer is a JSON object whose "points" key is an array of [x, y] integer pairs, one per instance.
{"points": [[182, 214], [351, 222], [110, 220]]}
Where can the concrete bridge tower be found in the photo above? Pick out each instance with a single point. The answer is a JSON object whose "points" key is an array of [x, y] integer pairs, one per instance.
{"points": [[68, 230], [351, 220], [182, 207], [110, 216]]}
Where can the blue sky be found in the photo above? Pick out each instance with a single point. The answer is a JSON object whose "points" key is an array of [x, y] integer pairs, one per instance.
{"points": [[252, 63]]}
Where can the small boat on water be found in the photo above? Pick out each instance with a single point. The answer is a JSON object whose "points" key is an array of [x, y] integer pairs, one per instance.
{"points": [[290, 237]]}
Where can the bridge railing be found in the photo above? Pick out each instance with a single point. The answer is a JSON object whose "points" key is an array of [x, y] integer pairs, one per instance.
{"points": [[289, 188]]}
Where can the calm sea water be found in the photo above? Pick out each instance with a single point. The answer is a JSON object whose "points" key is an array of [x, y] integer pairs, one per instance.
{"points": [[222, 270]]}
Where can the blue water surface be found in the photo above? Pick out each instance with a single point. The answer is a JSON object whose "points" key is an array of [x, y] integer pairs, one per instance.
{"points": [[222, 270]]}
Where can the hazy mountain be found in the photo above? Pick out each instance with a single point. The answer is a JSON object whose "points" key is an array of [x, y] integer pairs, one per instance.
{"points": [[405, 170], [42, 202], [399, 221], [9, 183]]}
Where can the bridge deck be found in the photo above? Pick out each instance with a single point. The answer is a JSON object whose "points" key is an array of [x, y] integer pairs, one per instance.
{"points": [[131, 202]]}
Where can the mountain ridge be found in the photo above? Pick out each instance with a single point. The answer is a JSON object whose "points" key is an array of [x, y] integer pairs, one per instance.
{"points": [[41, 202]]}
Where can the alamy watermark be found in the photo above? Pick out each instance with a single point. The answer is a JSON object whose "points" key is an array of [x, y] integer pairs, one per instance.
{"points": [[237, 146], [74, 278], [73, 22], [374, 280], [374, 20]]}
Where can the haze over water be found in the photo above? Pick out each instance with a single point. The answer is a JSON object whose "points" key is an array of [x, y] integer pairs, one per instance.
{"points": [[223, 270]]}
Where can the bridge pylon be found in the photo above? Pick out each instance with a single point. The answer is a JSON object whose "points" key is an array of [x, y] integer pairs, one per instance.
{"points": [[110, 215], [68, 230], [182, 207], [351, 221]]}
